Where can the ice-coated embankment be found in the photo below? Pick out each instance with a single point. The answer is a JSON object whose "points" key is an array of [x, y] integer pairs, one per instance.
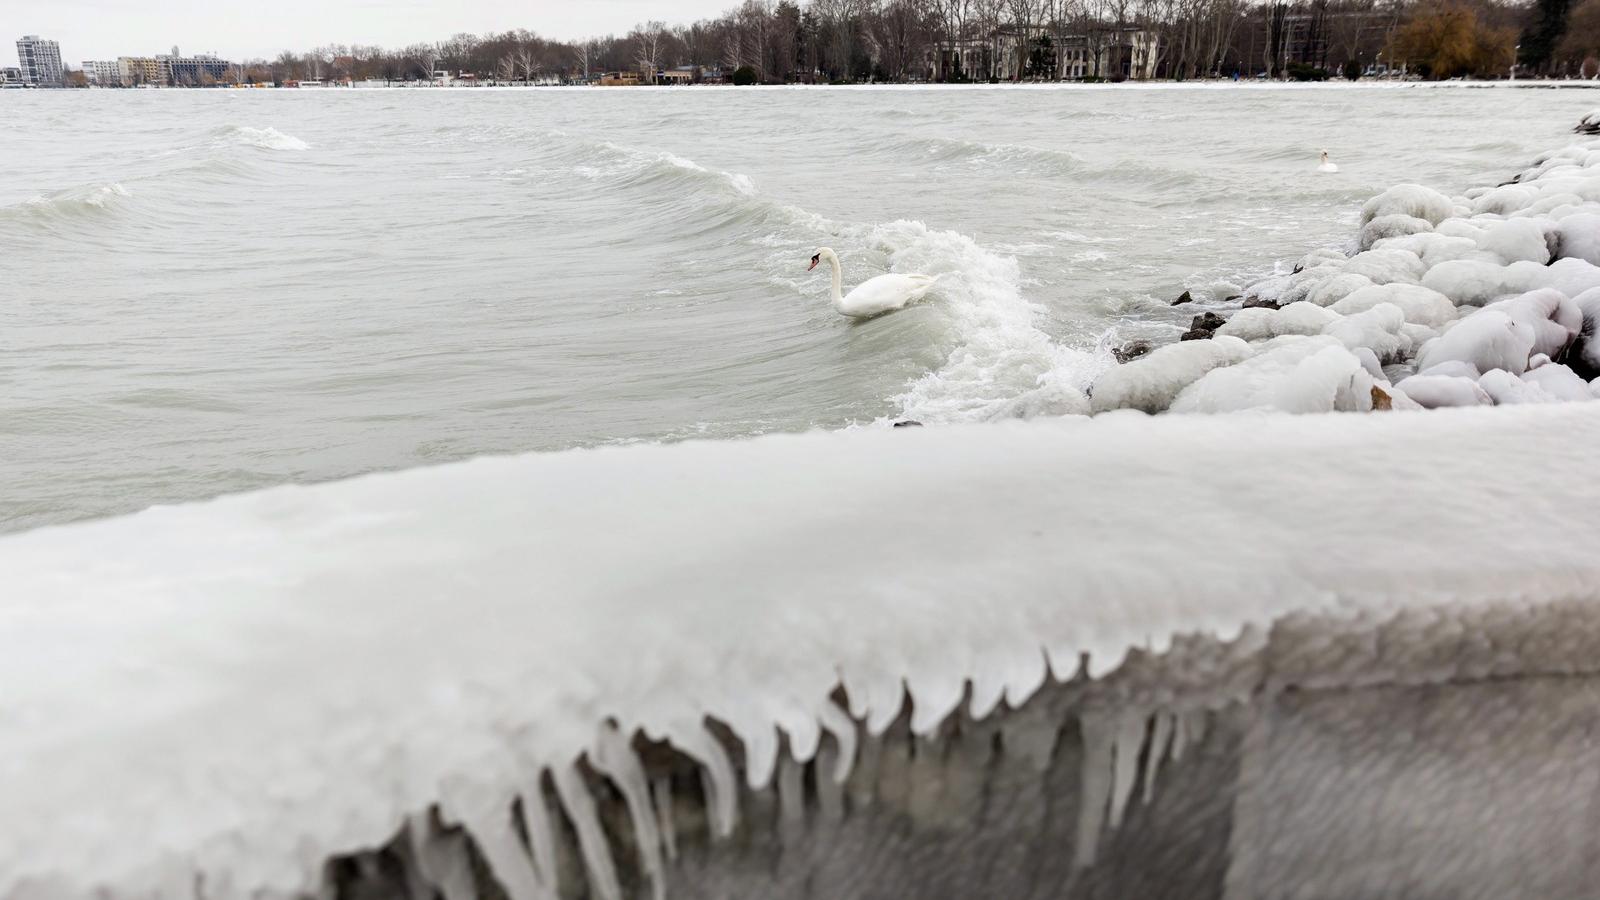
{"points": [[578, 657], [1489, 298]]}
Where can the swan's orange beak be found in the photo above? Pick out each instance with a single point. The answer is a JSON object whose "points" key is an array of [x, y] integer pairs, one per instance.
{"points": [[814, 261]]}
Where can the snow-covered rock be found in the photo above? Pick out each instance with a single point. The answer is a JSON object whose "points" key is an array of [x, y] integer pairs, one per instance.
{"points": [[1377, 329], [1150, 382], [1554, 318], [1559, 382], [1336, 288], [1260, 324], [1293, 374], [1578, 237], [1507, 389], [1486, 340], [1391, 226], [1409, 200], [1387, 266], [1470, 282], [1438, 391], [1420, 305]]}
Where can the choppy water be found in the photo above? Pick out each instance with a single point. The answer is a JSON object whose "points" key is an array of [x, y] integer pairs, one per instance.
{"points": [[204, 292]]}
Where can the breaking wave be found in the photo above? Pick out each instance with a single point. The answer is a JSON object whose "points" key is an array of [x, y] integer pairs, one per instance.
{"points": [[262, 138], [72, 205], [1013, 157], [1002, 364]]}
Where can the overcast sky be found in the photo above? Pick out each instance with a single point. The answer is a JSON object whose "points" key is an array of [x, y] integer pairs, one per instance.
{"points": [[238, 29]]}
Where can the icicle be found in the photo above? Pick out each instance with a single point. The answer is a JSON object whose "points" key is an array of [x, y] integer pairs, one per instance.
{"points": [[988, 686], [1028, 673], [933, 698], [614, 758], [843, 729], [669, 830], [417, 884], [830, 792], [1180, 735], [1127, 743], [722, 791], [887, 698], [1030, 733], [579, 804], [791, 798], [1106, 658], [803, 730], [508, 862], [1160, 734], [536, 821], [1066, 661], [760, 752], [1098, 736], [488, 819], [442, 859]]}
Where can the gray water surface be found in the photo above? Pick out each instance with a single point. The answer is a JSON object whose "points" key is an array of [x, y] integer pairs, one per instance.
{"points": [[204, 292]]}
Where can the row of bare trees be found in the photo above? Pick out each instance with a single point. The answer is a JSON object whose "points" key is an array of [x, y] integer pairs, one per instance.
{"points": [[904, 40]]}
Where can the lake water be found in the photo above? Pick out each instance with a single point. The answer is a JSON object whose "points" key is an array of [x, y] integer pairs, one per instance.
{"points": [[203, 292]]}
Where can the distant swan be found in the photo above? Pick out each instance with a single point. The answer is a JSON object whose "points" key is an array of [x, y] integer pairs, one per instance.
{"points": [[1326, 165], [875, 296]]}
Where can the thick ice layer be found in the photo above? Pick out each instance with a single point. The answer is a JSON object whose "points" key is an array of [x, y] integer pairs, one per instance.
{"points": [[227, 693], [1482, 287]]}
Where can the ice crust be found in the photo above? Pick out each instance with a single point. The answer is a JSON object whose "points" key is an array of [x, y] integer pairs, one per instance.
{"points": [[1480, 287], [235, 690]]}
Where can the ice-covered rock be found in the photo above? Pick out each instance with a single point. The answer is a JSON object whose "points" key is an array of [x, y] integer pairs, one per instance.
{"points": [[1420, 305], [1578, 237], [1409, 200], [1391, 226], [1515, 240], [1377, 329], [1336, 288], [1293, 374], [1459, 228], [1439, 391], [1554, 318], [1151, 382], [1470, 282], [1506, 199], [1559, 382], [1569, 276], [1584, 356], [1432, 248], [1321, 256], [1486, 340], [1507, 389], [1387, 266], [1261, 324]]}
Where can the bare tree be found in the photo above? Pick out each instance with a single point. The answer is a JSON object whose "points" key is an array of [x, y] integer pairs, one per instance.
{"points": [[426, 56], [584, 52], [647, 48], [526, 63]]}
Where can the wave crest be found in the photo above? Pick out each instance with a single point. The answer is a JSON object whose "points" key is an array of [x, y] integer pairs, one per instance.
{"points": [[263, 138]]}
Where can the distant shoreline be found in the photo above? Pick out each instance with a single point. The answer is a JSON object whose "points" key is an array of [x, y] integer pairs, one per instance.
{"points": [[1209, 84]]}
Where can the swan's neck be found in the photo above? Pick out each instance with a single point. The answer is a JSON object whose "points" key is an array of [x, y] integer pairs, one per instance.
{"points": [[838, 279]]}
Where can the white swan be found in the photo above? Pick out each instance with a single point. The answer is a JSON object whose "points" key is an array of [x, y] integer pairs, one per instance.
{"points": [[1326, 165], [875, 296]]}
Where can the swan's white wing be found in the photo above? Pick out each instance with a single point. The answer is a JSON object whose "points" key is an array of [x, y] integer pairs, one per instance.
{"points": [[885, 293]]}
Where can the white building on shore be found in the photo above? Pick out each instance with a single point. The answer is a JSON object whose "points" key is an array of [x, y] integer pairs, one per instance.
{"points": [[104, 72], [40, 62]]}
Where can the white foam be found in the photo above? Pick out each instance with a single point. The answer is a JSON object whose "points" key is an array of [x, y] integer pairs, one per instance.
{"points": [[266, 139]]}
